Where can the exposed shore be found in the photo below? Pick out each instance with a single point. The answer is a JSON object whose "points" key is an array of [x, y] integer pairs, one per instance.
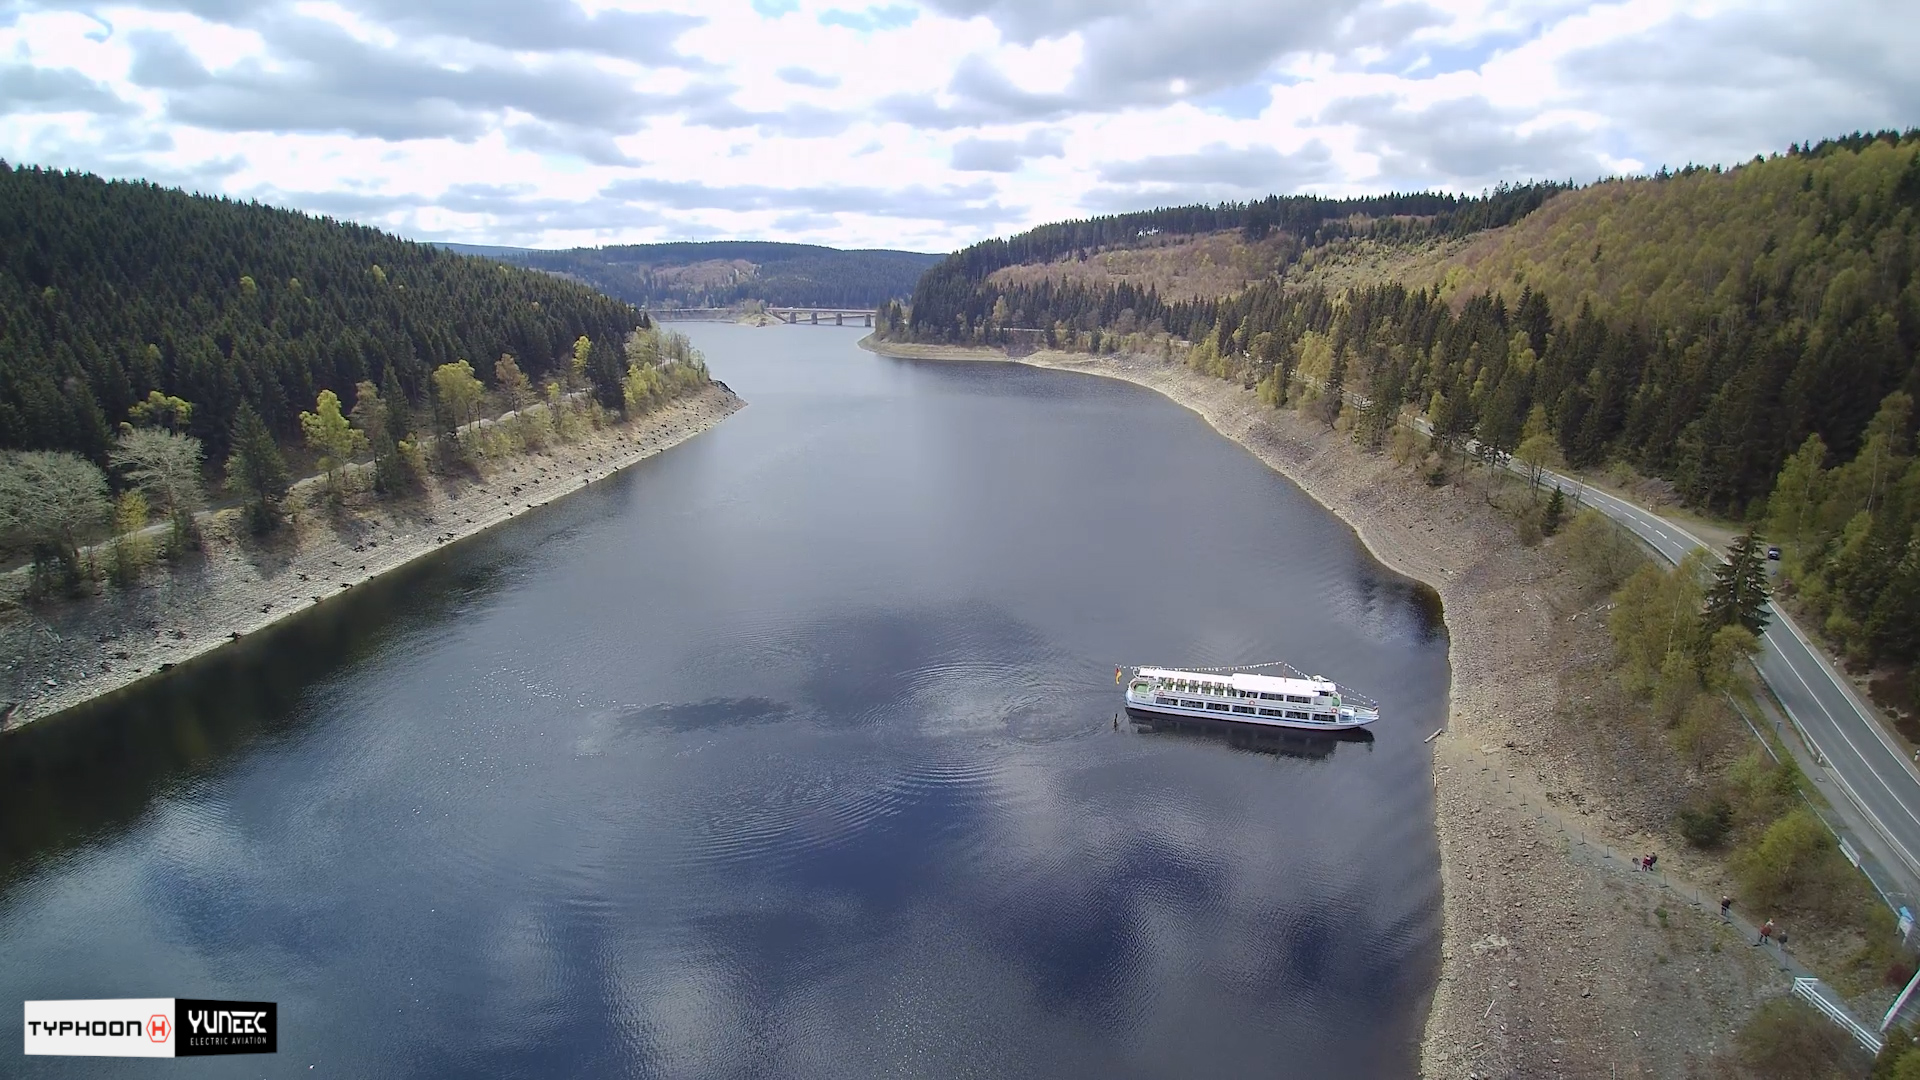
{"points": [[1555, 959], [59, 654]]}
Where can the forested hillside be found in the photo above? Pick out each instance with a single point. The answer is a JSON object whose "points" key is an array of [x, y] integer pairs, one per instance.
{"points": [[1700, 326], [725, 273], [958, 300], [110, 290]]}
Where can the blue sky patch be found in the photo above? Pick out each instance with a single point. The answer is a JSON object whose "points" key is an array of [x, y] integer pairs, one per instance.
{"points": [[1238, 102], [891, 17]]}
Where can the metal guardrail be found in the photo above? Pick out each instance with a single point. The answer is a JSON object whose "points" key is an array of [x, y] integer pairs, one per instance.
{"points": [[1889, 890], [1815, 993]]}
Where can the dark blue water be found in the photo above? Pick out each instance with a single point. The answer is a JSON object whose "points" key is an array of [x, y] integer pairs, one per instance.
{"points": [[790, 752]]}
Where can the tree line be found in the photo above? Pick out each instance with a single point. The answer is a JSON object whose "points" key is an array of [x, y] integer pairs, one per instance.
{"points": [[697, 275], [112, 291], [53, 502]]}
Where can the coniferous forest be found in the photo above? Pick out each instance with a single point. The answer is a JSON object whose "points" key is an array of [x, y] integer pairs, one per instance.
{"points": [[1748, 334], [723, 273], [112, 290]]}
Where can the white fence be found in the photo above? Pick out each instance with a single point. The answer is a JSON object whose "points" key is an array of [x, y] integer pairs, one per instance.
{"points": [[1815, 992]]}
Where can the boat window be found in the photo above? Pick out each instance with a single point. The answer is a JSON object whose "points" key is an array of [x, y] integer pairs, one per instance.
{"points": [[1296, 699], [1273, 712], [1216, 707], [1194, 704], [1248, 709], [1296, 715]]}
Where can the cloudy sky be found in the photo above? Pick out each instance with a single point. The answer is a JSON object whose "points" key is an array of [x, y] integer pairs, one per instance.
{"points": [[921, 124]]}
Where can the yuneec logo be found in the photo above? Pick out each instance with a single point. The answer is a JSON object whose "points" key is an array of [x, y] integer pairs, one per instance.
{"points": [[226, 1027]]}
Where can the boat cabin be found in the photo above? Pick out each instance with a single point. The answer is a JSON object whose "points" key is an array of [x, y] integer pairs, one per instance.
{"points": [[1312, 699]]}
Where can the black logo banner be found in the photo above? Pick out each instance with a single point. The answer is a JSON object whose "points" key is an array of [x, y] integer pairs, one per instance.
{"points": [[224, 1027]]}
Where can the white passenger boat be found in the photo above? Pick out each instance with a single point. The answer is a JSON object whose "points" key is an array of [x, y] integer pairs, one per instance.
{"points": [[1304, 702]]}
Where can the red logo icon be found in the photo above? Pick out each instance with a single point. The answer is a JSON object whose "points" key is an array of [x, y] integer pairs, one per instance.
{"points": [[159, 1027]]}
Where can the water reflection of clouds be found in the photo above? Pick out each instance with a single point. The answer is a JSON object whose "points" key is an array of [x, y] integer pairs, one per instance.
{"points": [[1072, 888], [876, 821]]}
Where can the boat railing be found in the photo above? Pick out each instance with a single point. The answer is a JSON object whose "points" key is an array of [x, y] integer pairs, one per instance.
{"points": [[1346, 694]]}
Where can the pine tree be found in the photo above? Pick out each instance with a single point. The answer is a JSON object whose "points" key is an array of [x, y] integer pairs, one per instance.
{"points": [[1555, 513], [1335, 395], [256, 470], [399, 414], [1738, 596], [604, 374]]}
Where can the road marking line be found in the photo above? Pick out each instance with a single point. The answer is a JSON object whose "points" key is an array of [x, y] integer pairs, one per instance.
{"points": [[1869, 767], [1846, 691]]}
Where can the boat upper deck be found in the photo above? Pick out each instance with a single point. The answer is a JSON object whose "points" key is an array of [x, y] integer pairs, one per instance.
{"points": [[1247, 684]]}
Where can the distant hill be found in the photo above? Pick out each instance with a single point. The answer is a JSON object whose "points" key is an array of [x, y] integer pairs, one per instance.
{"points": [[111, 289], [1698, 324], [724, 273]]}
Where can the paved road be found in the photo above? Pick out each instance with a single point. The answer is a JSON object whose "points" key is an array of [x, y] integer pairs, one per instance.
{"points": [[1875, 773], [1883, 784]]}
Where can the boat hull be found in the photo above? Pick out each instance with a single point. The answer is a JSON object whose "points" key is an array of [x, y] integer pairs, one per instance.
{"points": [[1148, 711]]}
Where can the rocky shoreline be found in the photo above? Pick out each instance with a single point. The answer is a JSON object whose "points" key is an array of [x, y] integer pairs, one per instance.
{"points": [[63, 653], [1555, 959]]}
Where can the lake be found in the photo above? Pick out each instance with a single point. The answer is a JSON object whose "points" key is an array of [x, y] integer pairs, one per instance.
{"points": [[789, 752]]}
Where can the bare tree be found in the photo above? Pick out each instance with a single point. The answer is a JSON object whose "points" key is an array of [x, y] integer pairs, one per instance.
{"points": [[49, 500], [166, 467]]}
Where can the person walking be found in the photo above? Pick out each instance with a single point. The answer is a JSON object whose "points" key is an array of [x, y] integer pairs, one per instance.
{"points": [[1726, 907], [1766, 933]]}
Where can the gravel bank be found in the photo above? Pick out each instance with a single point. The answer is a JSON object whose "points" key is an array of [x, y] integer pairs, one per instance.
{"points": [[1556, 958], [57, 655]]}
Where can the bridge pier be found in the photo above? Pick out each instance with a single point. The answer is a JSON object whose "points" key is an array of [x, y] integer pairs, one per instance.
{"points": [[840, 316]]}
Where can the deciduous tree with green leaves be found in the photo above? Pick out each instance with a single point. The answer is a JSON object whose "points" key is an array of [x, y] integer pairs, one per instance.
{"points": [[1793, 509], [132, 550], [372, 416], [162, 411], [460, 391], [332, 438]]}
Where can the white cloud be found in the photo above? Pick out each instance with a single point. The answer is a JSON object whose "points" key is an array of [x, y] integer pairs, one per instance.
{"points": [[911, 123]]}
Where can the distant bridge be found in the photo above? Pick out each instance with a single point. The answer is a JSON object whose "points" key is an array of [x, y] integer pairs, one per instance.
{"points": [[792, 316]]}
